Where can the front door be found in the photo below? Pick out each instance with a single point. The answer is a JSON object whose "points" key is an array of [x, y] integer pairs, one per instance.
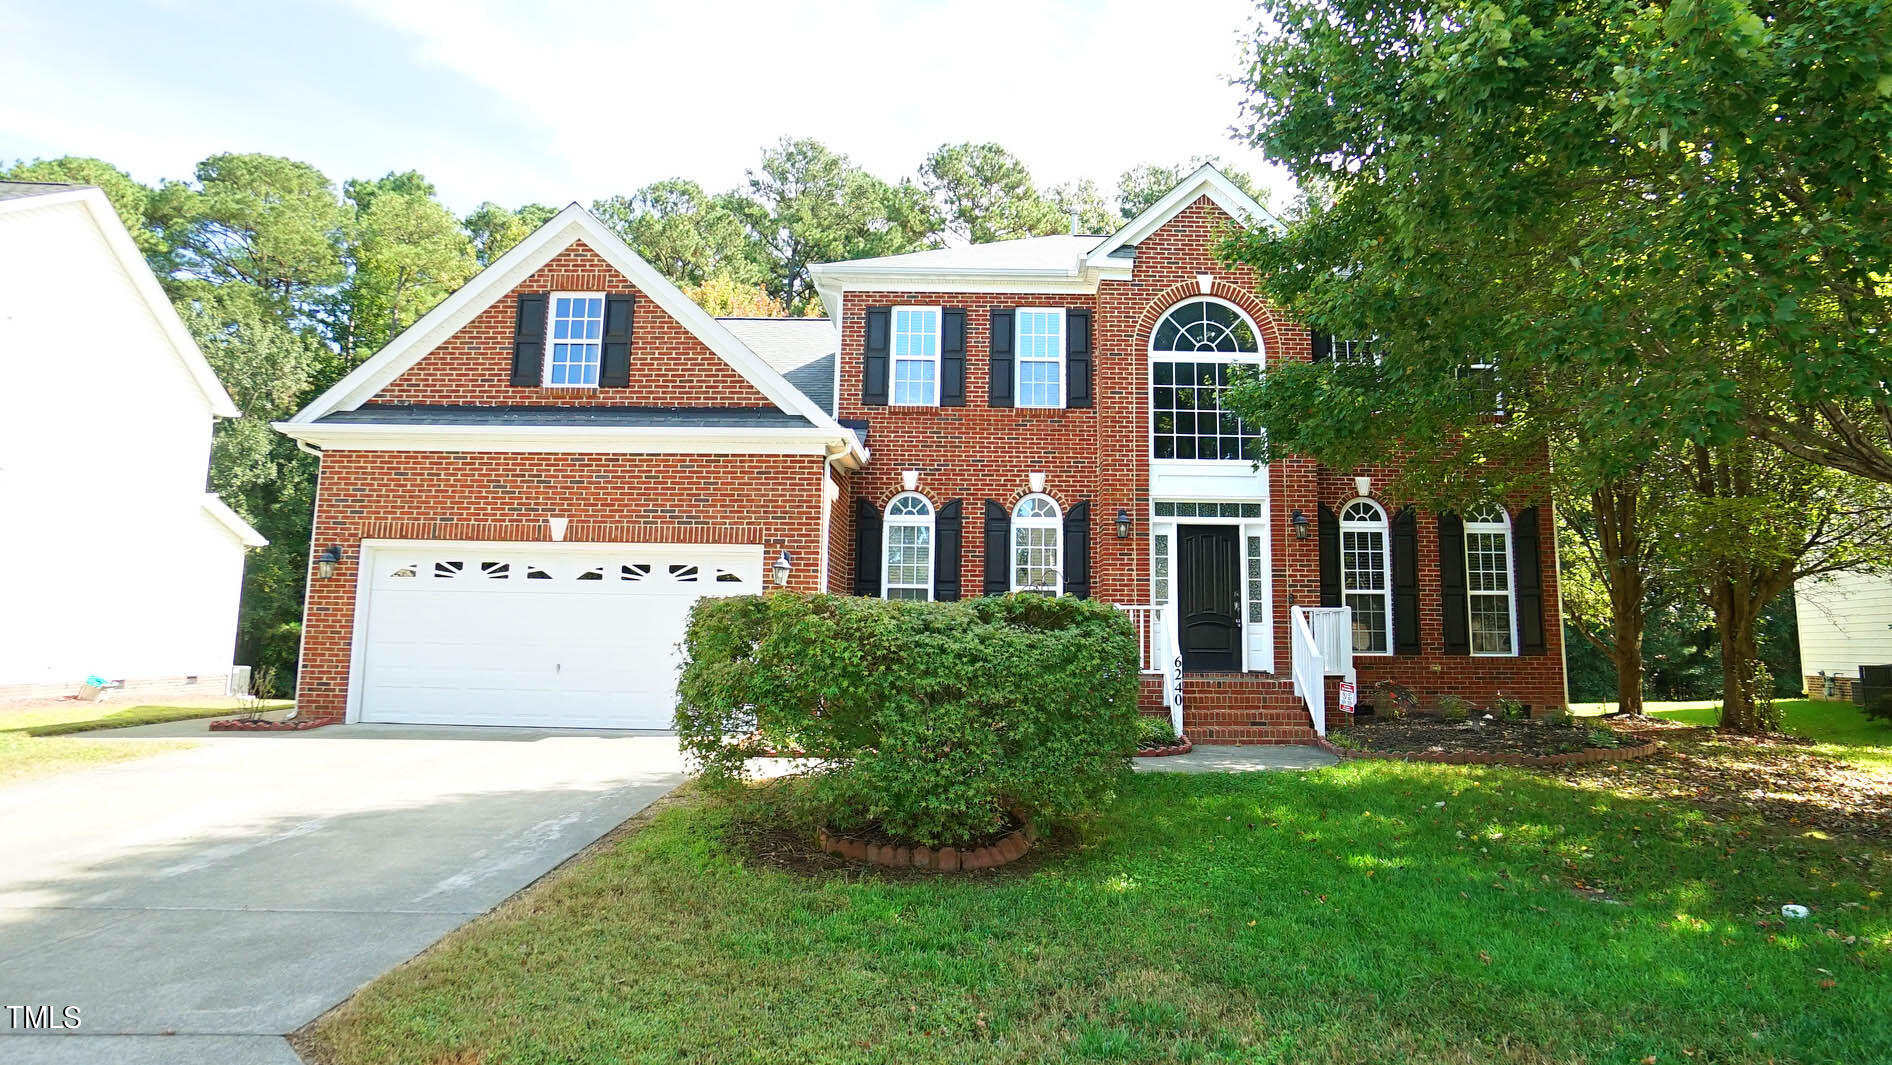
{"points": [[1209, 595]]}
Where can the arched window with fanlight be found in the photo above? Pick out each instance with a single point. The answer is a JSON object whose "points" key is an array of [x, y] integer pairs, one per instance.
{"points": [[907, 548], [1491, 611], [1192, 352], [1037, 545], [1365, 576]]}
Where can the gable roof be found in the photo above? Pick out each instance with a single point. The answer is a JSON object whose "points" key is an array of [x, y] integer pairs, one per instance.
{"points": [[1053, 254], [1206, 181], [24, 196], [801, 350], [569, 226]]}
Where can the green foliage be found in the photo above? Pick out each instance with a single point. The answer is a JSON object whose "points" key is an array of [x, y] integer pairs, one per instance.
{"points": [[1083, 199], [687, 234], [494, 229], [1142, 185], [1156, 730], [1511, 709], [128, 197], [985, 193], [1454, 709], [408, 253], [936, 721], [255, 219]]}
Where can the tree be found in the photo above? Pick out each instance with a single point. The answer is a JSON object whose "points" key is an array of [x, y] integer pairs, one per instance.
{"points": [[985, 193], [1142, 185], [130, 199], [407, 253], [723, 296], [259, 219], [494, 229], [688, 235], [1083, 200]]}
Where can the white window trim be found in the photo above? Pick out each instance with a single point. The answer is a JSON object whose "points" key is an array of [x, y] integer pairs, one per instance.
{"points": [[551, 316], [1383, 527], [1055, 523], [887, 524], [1510, 583], [1258, 359], [894, 361], [1019, 360]]}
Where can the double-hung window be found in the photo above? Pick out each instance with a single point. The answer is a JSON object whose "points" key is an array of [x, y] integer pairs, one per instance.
{"points": [[576, 329], [1037, 545], [1364, 582], [916, 356], [907, 547], [1040, 345], [1488, 587]]}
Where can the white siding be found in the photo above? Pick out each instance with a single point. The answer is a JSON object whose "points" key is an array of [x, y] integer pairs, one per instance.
{"points": [[1845, 620], [112, 565]]}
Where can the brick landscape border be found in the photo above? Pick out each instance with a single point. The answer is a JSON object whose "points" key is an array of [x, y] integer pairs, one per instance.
{"points": [[237, 724], [1588, 756], [1013, 846], [1183, 747]]}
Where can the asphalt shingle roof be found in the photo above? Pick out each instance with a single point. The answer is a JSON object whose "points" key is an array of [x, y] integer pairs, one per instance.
{"points": [[800, 349], [19, 190]]}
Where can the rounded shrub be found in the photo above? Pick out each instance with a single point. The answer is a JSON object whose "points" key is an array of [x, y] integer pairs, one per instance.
{"points": [[936, 723]]}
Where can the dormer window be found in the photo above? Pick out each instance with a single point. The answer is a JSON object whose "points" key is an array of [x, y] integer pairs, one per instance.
{"points": [[575, 326], [916, 356]]}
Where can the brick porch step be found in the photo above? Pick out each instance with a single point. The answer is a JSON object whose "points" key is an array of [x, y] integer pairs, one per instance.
{"points": [[1244, 708]]}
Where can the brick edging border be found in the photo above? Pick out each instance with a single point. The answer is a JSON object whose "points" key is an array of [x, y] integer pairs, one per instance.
{"points": [[1164, 752], [1009, 849], [1589, 756], [237, 724]]}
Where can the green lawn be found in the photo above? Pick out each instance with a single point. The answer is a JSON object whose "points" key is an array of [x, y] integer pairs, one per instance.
{"points": [[1842, 730], [39, 741], [1368, 912]]}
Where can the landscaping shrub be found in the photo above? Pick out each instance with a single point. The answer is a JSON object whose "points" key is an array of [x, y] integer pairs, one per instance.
{"points": [[1453, 709], [1157, 730], [936, 721]]}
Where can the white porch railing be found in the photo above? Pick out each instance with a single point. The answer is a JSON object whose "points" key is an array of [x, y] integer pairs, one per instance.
{"points": [[1159, 648], [1333, 635], [1310, 668]]}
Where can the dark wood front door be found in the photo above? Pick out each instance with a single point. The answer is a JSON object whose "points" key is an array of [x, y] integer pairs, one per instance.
{"points": [[1209, 594]]}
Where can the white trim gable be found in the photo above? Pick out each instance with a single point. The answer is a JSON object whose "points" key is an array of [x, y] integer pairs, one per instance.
{"points": [[232, 522], [570, 225], [138, 272], [1206, 181]]}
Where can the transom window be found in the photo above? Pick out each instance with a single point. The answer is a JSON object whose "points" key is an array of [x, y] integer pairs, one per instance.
{"points": [[1490, 608], [1039, 336], [1364, 583], [577, 331], [907, 548], [916, 356], [1037, 545], [1191, 354]]}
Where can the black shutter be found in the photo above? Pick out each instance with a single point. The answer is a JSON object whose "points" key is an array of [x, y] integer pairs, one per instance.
{"points": [[1323, 347], [528, 341], [998, 549], [1329, 558], [866, 549], [952, 357], [1530, 577], [874, 358], [999, 384], [1077, 550], [1458, 640], [614, 368], [1405, 582], [1077, 357], [947, 527]]}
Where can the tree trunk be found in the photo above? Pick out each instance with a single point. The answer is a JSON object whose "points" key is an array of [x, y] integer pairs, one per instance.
{"points": [[1747, 701], [1619, 538]]}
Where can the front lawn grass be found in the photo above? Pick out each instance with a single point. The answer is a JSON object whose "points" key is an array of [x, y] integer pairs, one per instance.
{"points": [[1373, 911], [1842, 730], [40, 740]]}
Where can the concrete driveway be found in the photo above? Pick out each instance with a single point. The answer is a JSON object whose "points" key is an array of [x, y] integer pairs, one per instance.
{"points": [[198, 905]]}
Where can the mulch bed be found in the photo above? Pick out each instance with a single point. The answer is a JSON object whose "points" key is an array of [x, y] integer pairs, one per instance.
{"points": [[1419, 734], [1775, 779]]}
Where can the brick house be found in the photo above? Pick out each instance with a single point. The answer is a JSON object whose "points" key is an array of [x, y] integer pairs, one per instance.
{"points": [[521, 495]]}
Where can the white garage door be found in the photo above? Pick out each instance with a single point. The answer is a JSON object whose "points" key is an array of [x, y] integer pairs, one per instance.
{"points": [[549, 635]]}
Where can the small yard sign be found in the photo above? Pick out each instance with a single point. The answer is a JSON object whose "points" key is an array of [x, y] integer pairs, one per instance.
{"points": [[1349, 696]]}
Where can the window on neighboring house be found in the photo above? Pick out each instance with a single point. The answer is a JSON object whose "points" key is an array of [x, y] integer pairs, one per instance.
{"points": [[916, 356], [1037, 546], [1365, 583], [1039, 337], [577, 335], [1490, 608], [1192, 352], [1355, 352], [907, 548]]}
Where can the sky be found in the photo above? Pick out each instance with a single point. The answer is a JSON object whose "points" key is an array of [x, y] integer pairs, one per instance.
{"points": [[563, 101]]}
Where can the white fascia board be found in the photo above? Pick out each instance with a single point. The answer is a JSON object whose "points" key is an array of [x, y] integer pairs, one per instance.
{"points": [[241, 530], [132, 261], [644, 440], [1206, 181]]}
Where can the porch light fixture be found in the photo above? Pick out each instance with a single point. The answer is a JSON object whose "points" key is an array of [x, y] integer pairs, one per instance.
{"points": [[1123, 524], [780, 569], [325, 564], [1302, 527]]}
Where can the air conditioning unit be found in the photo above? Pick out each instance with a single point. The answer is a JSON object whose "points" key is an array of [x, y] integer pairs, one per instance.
{"points": [[1872, 692], [239, 681]]}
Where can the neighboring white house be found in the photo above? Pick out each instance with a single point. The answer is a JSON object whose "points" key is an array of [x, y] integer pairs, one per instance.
{"points": [[1845, 622], [118, 563]]}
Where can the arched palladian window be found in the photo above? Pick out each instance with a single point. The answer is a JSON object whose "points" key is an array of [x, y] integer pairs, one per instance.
{"points": [[1191, 353], [1365, 576], [1490, 604], [907, 548], [1037, 545]]}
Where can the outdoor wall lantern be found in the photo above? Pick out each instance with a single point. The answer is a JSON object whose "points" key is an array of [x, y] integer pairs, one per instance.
{"points": [[325, 565], [1302, 527], [780, 569], [1123, 524]]}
